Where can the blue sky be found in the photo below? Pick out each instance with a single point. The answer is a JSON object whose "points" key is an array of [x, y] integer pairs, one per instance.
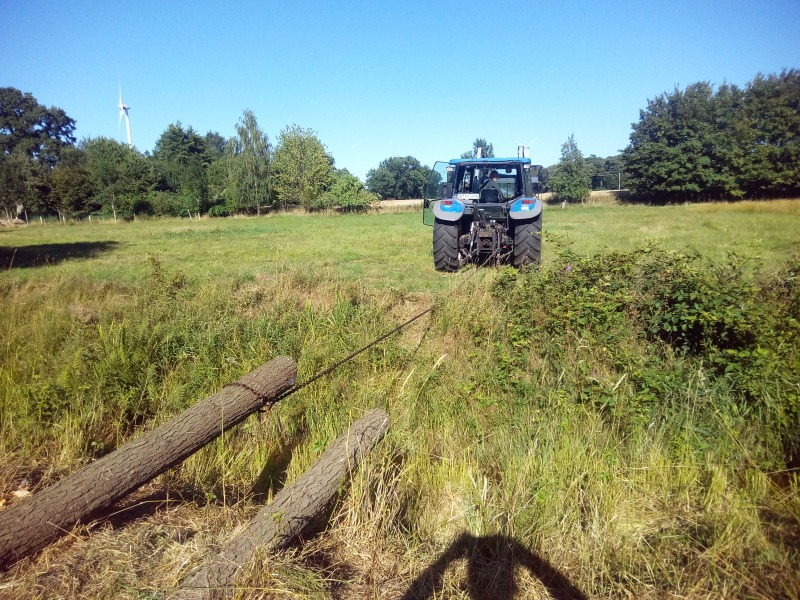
{"points": [[380, 79]]}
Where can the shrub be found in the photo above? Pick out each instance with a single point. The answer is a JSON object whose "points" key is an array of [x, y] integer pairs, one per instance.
{"points": [[348, 193], [652, 316], [219, 210]]}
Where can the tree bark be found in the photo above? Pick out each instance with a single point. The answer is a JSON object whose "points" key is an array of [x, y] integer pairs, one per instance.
{"points": [[295, 509], [32, 524]]}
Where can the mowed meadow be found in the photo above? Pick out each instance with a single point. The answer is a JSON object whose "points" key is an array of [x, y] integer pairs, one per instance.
{"points": [[622, 422]]}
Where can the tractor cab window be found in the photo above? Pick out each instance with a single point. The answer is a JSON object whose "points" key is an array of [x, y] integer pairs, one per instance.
{"points": [[510, 182], [472, 178]]}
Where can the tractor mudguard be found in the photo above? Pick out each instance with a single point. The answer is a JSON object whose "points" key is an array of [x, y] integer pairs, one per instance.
{"points": [[449, 209], [525, 208]]}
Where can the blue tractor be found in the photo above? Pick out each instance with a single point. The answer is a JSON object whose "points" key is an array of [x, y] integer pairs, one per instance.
{"points": [[484, 211]]}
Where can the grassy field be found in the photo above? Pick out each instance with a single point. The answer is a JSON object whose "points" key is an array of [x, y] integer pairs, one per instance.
{"points": [[622, 417]]}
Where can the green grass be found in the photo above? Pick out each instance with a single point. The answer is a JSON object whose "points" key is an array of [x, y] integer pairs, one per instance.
{"points": [[556, 410], [347, 247], [751, 229]]}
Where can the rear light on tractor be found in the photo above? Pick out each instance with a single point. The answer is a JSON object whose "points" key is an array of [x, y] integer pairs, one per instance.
{"points": [[447, 203], [528, 201]]}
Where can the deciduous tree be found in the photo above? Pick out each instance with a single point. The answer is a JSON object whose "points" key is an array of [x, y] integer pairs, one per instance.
{"points": [[398, 177], [571, 177], [249, 159], [769, 126], [487, 149], [32, 138], [698, 144], [122, 176], [303, 169], [71, 187], [348, 193], [181, 159], [34, 130]]}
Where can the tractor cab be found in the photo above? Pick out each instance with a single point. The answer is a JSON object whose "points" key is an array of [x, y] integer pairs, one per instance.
{"points": [[465, 179]]}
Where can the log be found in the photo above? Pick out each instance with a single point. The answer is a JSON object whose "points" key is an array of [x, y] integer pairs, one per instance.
{"points": [[294, 510], [32, 524]]}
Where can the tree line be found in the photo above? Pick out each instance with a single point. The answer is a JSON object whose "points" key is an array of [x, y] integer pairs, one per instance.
{"points": [[44, 170], [700, 143], [696, 143]]}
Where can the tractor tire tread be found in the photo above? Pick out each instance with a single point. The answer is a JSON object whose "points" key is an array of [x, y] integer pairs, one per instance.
{"points": [[528, 243], [445, 246]]}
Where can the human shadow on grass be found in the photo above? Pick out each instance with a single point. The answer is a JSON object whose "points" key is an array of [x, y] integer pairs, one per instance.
{"points": [[491, 561], [40, 255]]}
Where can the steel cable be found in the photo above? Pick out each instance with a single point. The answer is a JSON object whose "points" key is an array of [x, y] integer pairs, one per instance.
{"points": [[297, 387]]}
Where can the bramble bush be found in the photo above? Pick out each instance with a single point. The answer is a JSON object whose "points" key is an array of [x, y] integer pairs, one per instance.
{"points": [[658, 319]]}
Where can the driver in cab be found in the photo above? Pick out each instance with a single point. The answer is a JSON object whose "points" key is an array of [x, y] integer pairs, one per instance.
{"points": [[492, 183]]}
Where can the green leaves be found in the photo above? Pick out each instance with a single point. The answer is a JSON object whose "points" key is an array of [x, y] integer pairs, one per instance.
{"points": [[248, 159], [32, 138], [121, 175], [699, 144], [31, 128], [571, 177], [487, 149], [398, 177], [639, 312], [181, 159], [348, 193], [303, 169]]}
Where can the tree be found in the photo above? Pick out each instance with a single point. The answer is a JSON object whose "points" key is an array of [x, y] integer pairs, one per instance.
{"points": [[398, 177], [302, 167], [698, 144], [72, 189], [32, 138], [248, 159], [487, 149], [681, 148], [614, 169], [604, 172], [571, 177], [34, 130], [348, 193], [769, 126], [215, 143], [16, 181], [381, 181], [596, 166], [122, 176], [181, 158]]}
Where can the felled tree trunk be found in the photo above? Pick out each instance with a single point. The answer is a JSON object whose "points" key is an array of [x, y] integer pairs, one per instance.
{"points": [[32, 524], [295, 509]]}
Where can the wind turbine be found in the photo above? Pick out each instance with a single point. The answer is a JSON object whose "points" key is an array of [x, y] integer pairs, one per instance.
{"points": [[123, 108]]}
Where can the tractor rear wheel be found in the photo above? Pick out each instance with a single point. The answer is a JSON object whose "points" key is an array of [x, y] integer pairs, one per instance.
{"points": [[528, 242], [445, 246]]}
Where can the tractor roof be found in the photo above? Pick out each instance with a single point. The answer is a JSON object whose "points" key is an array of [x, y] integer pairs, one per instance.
{"points": [[489, 161]]}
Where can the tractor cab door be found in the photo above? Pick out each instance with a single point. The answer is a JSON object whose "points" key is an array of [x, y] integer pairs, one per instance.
{"points": [[439, 186], [537, 177]]}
